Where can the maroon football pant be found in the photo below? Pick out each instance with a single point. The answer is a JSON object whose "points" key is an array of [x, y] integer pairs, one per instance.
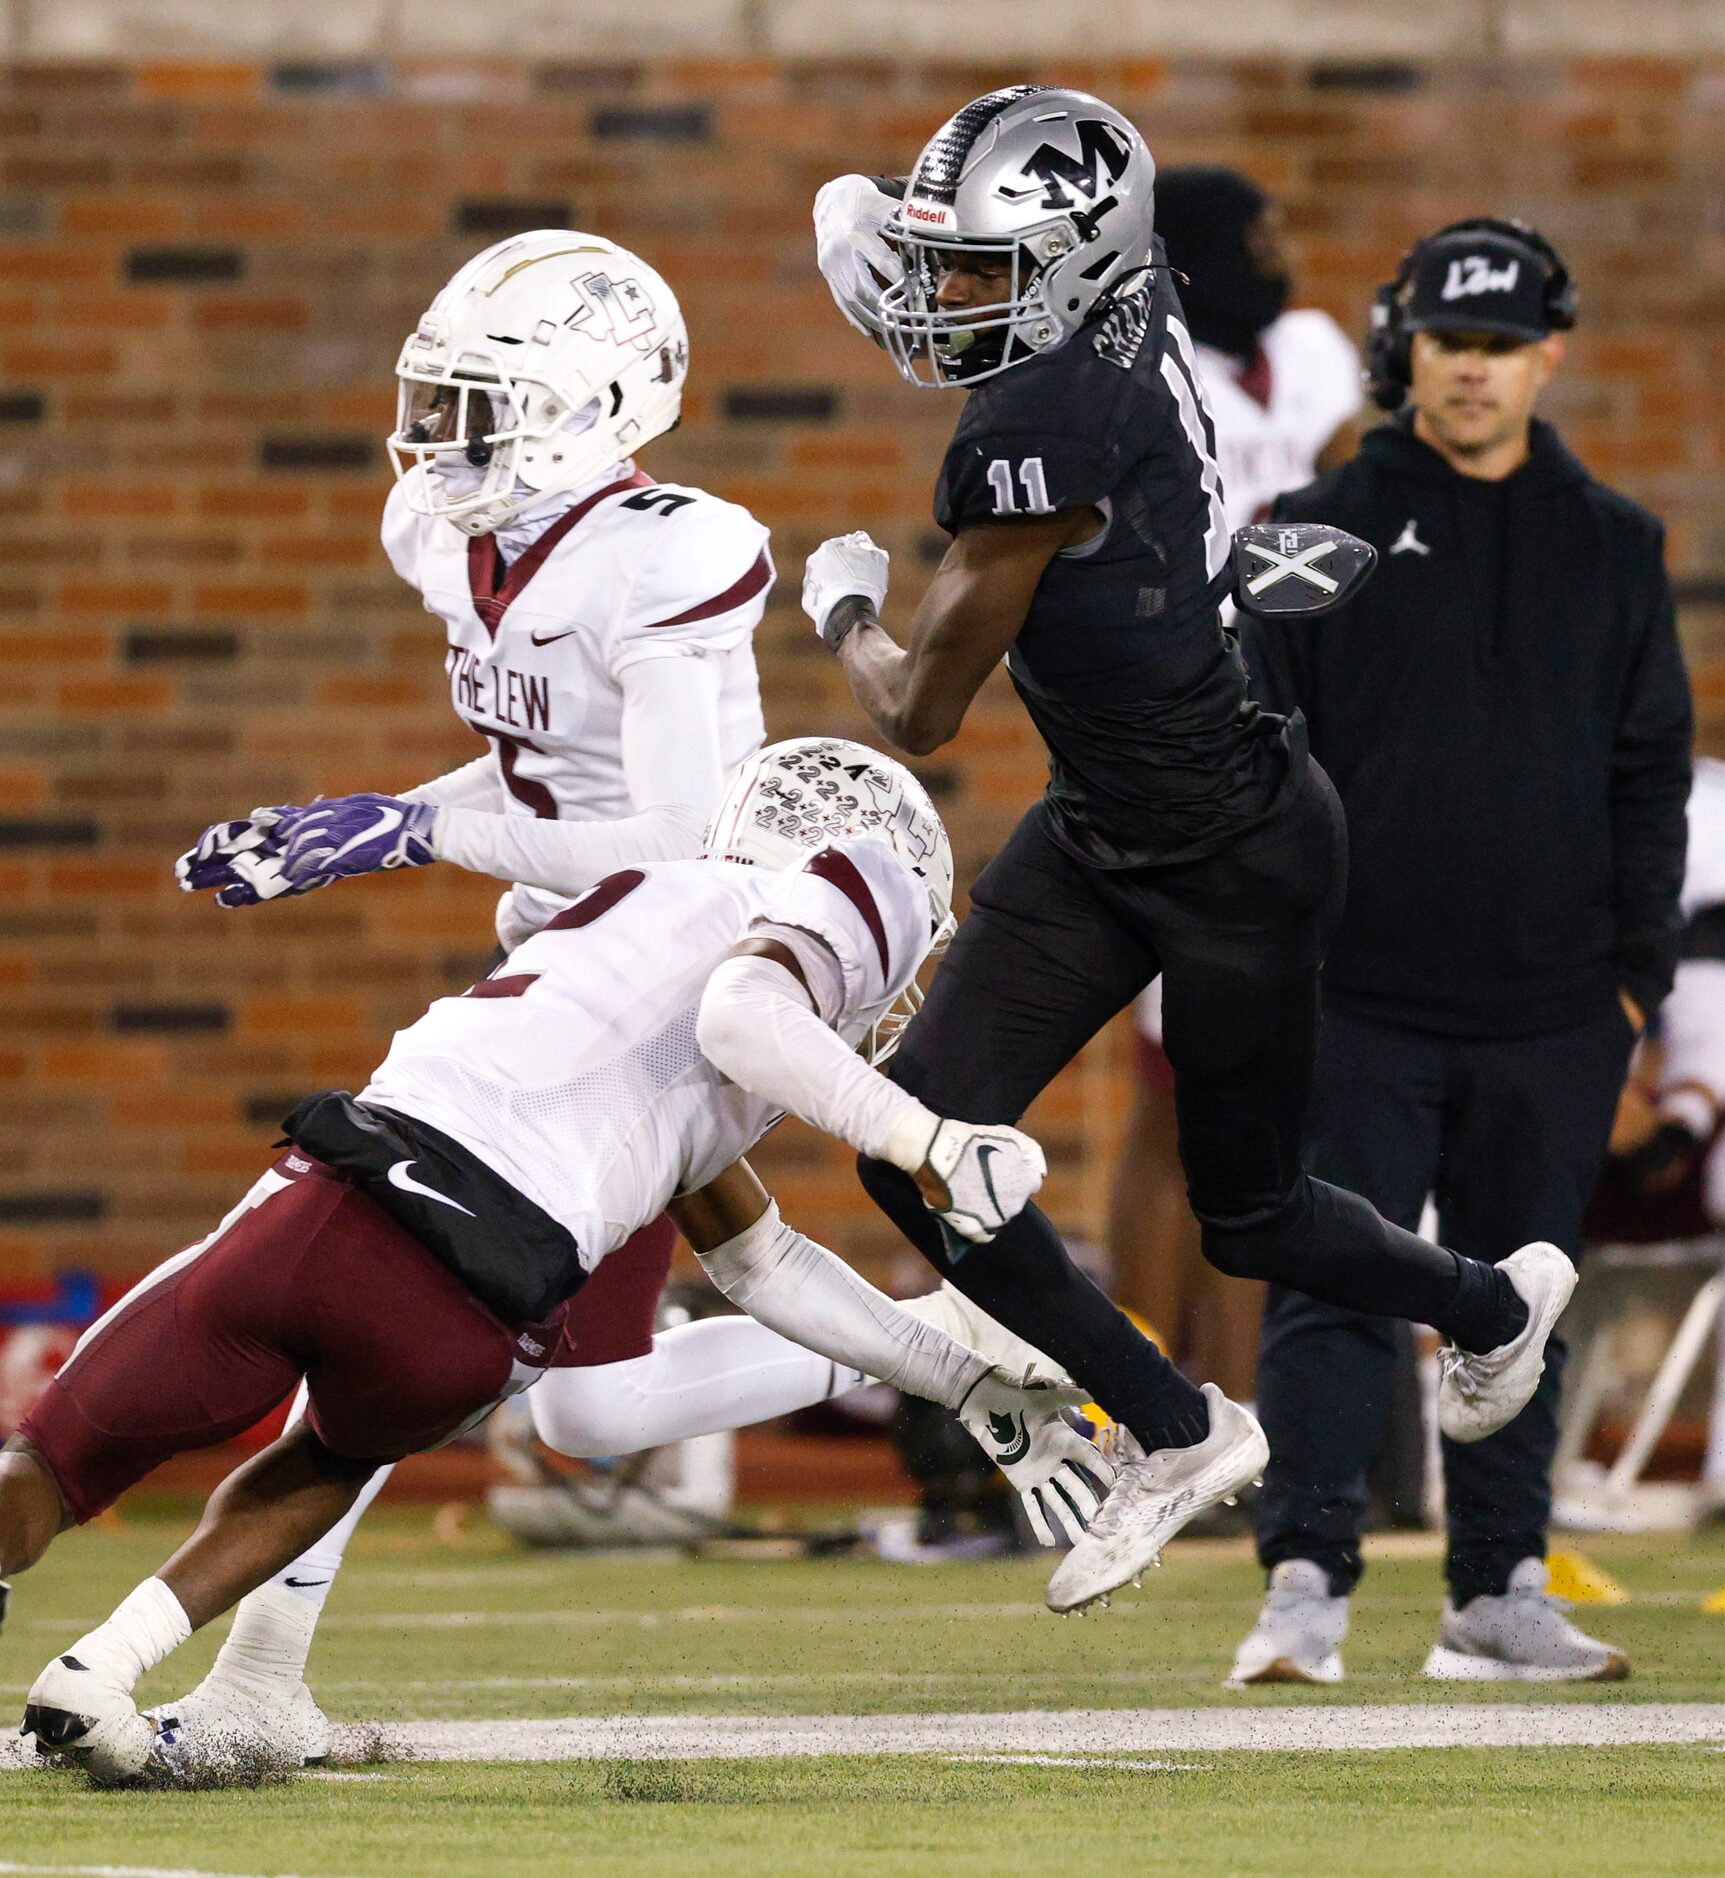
{"points": [[611, 1317], [308, 1279]]}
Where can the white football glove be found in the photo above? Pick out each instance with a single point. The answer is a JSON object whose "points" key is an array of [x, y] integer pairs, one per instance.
{"points": [[976, 1176], [1060, 1477], [838, 568], [991, 1174], [850, 213]]}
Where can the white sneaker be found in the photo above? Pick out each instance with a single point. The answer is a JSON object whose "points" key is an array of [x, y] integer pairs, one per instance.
{"points": [[1153, 1498], [82, 1711], [223, 1727], [1299, 1633], [1478, 1395], [1521, 1637]]}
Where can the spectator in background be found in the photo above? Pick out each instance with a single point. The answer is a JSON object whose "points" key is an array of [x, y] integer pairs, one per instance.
{"points": [[1280, 385], [1677, 1152], [1666, 1175], [1505, 713]]}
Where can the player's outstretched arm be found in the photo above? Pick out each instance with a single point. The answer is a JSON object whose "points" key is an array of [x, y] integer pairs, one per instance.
{"points": [[802, 1291], [240, 862], [758, 1025], [917, 694], [673, 767]]}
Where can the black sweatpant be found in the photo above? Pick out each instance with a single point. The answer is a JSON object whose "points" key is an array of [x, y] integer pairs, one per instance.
{"points": [[1050, 951], [1509, 1133]]}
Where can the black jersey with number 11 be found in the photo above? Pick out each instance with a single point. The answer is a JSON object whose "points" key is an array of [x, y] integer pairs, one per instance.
{"points": [[1156, 753]]}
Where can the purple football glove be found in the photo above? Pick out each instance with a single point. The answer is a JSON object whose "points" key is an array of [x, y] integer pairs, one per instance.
{"points": [[345, 835], [239, 861]]}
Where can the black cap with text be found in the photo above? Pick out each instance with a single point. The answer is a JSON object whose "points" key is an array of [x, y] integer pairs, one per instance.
{"points": [[1479, 281]]}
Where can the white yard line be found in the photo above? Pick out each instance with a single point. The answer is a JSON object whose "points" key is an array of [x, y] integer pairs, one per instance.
{"points": [[1067, 1731], [123, 1871], [1077, 1760]]}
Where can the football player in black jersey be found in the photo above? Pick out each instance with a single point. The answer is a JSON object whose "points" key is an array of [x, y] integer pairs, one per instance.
{"points": [[1183, 829]]}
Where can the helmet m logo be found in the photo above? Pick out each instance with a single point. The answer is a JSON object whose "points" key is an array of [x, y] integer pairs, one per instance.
{"points": [[1103, 154]]}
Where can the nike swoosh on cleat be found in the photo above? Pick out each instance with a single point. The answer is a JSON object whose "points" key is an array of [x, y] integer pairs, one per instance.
{"points": [[401, 1179], [305, 1584], [388, 820], [549, 637]]}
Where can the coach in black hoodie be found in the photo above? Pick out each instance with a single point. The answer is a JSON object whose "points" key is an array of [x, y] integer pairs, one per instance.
{"points": [[1505, 713]]}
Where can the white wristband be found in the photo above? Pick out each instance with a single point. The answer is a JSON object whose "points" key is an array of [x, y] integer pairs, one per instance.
{"points": [[910, 1137]]}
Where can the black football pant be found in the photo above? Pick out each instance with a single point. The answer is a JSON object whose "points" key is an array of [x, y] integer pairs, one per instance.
{"points": [[1509, 1134], [1050, 951]]}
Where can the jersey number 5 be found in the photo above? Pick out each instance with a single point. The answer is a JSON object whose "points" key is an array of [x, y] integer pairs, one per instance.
{"points": [[1030, 478]]}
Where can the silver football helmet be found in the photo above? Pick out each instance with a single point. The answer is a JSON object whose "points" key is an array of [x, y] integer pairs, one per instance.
{"points": [[1054, 184]]}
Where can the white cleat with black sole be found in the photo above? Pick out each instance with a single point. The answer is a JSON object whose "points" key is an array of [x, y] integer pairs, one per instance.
{"points": [[1155, 1496], [1478, 1395], [1522, 1636], [80, 1711], [1299, 1633], [222, 1728]]}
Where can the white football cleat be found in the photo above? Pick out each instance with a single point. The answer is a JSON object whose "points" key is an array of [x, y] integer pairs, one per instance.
{"points": [[222, 1727], [83, 1712], [1478, 1395], [1299, 1633], [1522, 1636], [1153, 1498]]}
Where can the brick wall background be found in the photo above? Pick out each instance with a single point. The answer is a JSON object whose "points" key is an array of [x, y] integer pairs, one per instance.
{"points": [[205, 272]]}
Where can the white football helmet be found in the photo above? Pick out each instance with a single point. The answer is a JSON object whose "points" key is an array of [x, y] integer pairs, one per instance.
{"points": [[794, 797], [1054, 185], [547, 359]]}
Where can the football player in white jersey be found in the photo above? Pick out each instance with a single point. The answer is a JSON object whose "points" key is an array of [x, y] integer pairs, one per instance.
{"points": [[599, 629], [413, 1252], [1281, 383], [599, 623]]}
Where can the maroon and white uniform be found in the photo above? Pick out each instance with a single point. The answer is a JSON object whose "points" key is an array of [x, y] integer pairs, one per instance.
{"points": [[576, 1076], [305, 1277], [551, 628], [582, 1083]]}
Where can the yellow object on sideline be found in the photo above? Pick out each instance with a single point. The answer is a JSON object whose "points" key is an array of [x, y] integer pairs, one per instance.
{"points": [[1569, 1575]]}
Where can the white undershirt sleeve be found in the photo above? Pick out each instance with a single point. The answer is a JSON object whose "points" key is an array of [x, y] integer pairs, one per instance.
{"points": [[476, 785], [802, 1291], [675, 776], [757, 1027]]}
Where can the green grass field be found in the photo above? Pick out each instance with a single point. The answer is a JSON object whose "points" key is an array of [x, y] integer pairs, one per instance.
{"points": [[420, 1631]]}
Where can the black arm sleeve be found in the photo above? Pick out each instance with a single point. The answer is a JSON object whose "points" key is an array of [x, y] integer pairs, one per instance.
{"points": [[1650, 779]]}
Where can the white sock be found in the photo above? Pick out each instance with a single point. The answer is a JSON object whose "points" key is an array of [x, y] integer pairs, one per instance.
{"points": [[148, 1626], [312, 1574], [265, 1654], [698, 1379]]}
